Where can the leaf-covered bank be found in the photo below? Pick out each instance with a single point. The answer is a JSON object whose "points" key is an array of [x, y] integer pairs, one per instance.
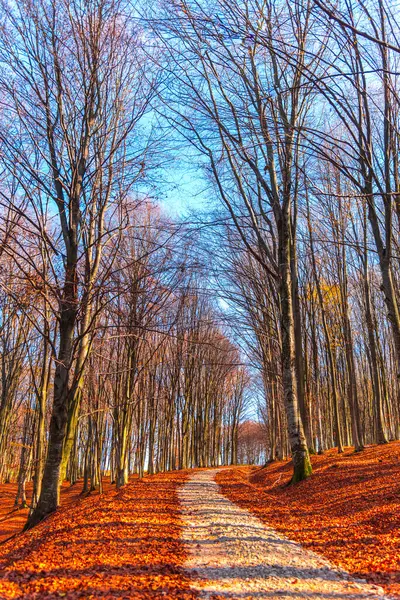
{"points": [[349, 511]]}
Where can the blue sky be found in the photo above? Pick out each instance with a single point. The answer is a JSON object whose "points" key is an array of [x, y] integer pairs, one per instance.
{"points": [[185, 191]]}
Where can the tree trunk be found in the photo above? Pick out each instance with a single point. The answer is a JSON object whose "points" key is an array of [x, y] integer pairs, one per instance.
{"points": [[50, 493], [301, 460]]}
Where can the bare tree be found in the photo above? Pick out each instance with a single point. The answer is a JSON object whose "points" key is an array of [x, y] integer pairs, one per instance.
{"points": [[74, 87]]}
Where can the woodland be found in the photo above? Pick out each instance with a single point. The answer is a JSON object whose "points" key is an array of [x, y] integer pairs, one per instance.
{"points": [[260, 321]]}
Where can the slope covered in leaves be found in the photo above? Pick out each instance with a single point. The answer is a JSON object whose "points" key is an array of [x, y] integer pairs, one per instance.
{"points": [[349, 511], [13, 519], [123, 544]]}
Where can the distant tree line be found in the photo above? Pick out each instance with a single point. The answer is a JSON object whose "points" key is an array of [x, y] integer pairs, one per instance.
{"points": [[161, 387]]}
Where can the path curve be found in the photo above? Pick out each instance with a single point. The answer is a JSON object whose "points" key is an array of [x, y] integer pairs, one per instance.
{"points": [[232, 554]]}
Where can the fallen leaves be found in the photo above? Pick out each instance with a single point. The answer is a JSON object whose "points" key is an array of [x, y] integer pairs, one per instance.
{"points": [[349, 510], [124, 544], [12, 519]]}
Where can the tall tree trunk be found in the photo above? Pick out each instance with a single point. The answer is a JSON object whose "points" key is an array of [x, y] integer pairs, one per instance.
{"points": [[329, 351], [376, 384], [50, 493], [298, 336], [301, 460]]}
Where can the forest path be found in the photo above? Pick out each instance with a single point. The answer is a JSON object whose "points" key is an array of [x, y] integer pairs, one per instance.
{"points": [[232, 554]]}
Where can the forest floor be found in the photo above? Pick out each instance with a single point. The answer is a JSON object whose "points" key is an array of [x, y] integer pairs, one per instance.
{"points": [[349, 511], [12, 518], [179, 535], [123, 544]]}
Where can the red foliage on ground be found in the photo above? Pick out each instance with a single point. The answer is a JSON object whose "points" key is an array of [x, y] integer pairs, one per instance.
{"points": [[13, 519], [349, 510], [123, 544]]}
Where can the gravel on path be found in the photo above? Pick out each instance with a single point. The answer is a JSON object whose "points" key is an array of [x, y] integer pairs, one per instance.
{"points": [[232, 554]]}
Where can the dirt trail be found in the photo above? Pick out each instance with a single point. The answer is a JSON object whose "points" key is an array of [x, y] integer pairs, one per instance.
{"points": [[232, 554]]}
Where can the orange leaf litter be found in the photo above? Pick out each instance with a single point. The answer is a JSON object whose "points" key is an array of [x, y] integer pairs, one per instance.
{"points": [[13, 519], [123, 544], [349, 510]]}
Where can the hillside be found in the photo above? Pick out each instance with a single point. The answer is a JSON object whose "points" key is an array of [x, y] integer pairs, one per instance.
{"points": [[349, 511], [13, 519]]}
